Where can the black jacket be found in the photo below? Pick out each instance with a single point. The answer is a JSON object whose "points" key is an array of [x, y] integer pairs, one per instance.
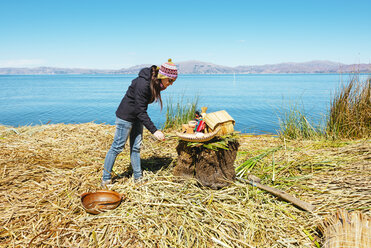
{"points": [[133, 106]]}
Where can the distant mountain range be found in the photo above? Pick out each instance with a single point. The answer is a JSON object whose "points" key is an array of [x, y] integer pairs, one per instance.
{"points": [[199, 67]]}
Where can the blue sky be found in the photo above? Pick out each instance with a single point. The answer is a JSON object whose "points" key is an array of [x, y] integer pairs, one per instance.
{"points": [[114, 34]]}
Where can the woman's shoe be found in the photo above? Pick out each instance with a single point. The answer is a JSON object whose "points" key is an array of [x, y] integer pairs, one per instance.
{"points": [[105, 183], [138, 180]]}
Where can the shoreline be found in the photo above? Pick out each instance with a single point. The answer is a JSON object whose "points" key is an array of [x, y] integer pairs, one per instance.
{"points": [[196, 74], [13, 128]]}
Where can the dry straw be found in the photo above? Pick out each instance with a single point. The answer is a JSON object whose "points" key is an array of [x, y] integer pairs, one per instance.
{"points": [[45, 169]]}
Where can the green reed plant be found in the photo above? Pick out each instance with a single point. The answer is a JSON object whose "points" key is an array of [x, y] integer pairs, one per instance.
{"points": [[350, 111], [179, 113], [295, 125], [249, 164], [349, 115]]}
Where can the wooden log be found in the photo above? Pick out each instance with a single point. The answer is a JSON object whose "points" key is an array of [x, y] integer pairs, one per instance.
{"points": [[254, 181]]}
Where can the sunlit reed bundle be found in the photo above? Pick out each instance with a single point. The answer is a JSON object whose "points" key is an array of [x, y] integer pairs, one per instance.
{"points": [[344, 229]]}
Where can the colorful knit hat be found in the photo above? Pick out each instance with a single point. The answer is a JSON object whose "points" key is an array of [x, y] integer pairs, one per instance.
{"points": [[168, 70]]}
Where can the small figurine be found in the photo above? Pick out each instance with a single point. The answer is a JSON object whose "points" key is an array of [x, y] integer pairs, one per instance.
{"points": [[198, 116], [200, 126]]}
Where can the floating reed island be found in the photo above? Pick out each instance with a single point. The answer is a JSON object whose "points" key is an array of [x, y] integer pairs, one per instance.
{"points": [[45, 169]]}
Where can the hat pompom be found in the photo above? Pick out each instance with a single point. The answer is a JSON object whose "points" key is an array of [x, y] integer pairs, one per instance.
{"points": [[169, 60]]}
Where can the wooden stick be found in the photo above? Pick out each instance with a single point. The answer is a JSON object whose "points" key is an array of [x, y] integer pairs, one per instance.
{"points": [[254, 181]]}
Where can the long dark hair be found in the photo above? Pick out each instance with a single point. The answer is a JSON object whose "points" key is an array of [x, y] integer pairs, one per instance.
{"points": [[155, 86]]}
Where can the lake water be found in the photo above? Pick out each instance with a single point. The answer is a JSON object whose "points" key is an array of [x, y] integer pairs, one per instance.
{"points": [[255, 101]]}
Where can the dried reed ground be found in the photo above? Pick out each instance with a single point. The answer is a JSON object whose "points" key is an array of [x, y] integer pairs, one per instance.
{"points": [[45, 169]]}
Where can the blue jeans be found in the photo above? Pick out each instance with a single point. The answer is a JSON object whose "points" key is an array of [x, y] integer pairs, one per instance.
{"points": [[123, 130]]}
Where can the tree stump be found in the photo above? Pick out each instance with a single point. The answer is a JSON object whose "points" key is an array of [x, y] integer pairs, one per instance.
{"points": [[212, 168]]}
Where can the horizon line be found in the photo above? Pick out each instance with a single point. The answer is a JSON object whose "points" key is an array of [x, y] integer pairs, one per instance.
{"points": [[186, 61]]}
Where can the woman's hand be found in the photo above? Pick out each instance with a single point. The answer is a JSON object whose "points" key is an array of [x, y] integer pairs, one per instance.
{"points": [[159, 135]]}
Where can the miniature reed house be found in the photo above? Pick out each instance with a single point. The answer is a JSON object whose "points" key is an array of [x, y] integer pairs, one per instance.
{"points": [[220, 119]]}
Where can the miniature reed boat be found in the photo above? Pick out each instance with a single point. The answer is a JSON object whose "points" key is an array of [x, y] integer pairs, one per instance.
{"points": [[198, 137]]}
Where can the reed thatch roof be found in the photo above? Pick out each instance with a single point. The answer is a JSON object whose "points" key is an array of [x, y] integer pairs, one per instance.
{"points": [[219, 117]]}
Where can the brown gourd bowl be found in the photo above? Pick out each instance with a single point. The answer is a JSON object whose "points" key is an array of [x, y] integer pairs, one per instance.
{"points": [[100, 201]]}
